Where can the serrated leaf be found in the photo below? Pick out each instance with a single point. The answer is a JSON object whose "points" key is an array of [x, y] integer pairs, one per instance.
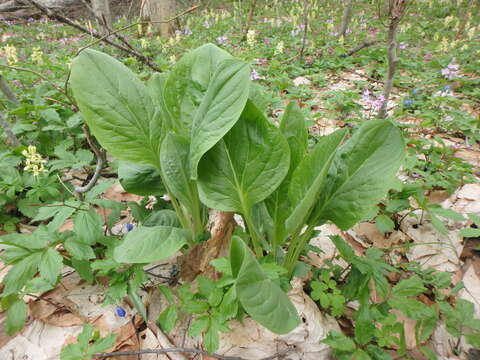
{"points": [[87, 225], [50, 266], [20, 273], [168, 318], [409, 287], [198, 326], [261, 298], [211, 339], [117, 107], [339, 342], [16, 317], [384, 223], [78, 249], [103, 344], [469, 233], [149, 244]]}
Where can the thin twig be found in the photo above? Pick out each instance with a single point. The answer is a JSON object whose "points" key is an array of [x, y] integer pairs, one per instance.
{"points": [[306, 6], [104, 38], [100, 154], [58, 88], [179, 350]]}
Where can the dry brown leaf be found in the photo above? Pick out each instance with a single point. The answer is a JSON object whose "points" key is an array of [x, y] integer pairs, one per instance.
{"points": [[117, 193]]}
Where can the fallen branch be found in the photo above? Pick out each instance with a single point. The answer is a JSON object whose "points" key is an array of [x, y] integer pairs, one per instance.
{"points": [[101, 158], [179, 350], [359, 47]]}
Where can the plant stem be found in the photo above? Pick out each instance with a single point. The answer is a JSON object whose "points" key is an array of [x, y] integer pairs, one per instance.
{"points": [[196, 212], [296, 248], [253, 234]]}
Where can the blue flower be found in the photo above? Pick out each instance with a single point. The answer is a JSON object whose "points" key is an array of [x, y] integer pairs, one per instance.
{"points": [[414, 91], [120, 311], [129, 227], [447, 87], [407, 102]]}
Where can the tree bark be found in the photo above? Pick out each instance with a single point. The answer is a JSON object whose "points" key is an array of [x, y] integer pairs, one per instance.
{"points": [[158, 10], [346, 17], [397, 10], [101, 10]]}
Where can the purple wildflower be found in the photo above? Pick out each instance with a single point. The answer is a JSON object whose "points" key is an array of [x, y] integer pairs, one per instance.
{"points": [[451, 71], [428, 57], [129, 227], [254, 75], [207, 25], [16, 82], [187, 31], [222, 39], [403, 46], [330, 21]]}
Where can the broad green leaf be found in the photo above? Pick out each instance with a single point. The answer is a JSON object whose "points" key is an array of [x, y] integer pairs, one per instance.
{"points": [[220, 109], [84, 269], [87, 225], [309, 178], [362, 172], [168, 318], [156, 87], [117, 107], [187, 84], [174, 165], [261, 298], [20, 273], [246, 166], [50, 265], [295, 131], [409, 287], [140, 179], [59, 211], [278, 205], [163, 217], [16, 317], [149, 244]]}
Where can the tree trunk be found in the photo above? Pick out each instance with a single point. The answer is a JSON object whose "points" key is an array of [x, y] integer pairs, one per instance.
{"points": [[347, 16], [160, 10], [101, 9], [397, 10]]}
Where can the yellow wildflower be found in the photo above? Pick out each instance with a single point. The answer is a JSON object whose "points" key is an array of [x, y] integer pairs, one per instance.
{"points": [[279, 48], [251, 38], [37, 55], [10, 52], [34, 162]]}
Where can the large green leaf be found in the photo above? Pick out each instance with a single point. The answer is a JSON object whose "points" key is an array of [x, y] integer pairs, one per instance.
{"points": [[50, 265], [140, 179], [174, 165], [308, 179], [187, 84], [220, 108], [117, 107], [294, 129], [148, 244], [362, 172], [261, 298], [246, 166]]}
